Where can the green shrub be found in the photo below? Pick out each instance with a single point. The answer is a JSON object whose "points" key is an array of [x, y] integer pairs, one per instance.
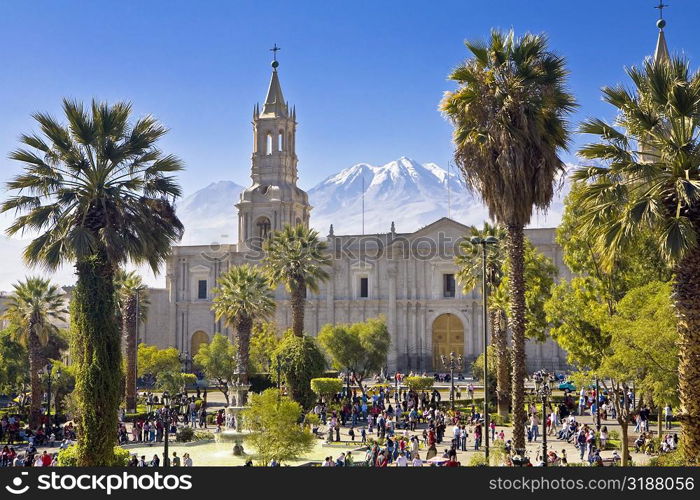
{"points": [[478, 460], [68, 457], [185, 434], [498, 419], [419, 383], [200, 435], [326, 387], [671, 459], [301, 360]]}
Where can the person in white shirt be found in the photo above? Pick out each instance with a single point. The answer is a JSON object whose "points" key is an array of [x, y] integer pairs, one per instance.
{"points": [[417, 462], [401, 460]]}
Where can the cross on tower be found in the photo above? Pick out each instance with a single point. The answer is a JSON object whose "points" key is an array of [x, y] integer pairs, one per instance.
{"points": [[661, 7], [274, 52]]}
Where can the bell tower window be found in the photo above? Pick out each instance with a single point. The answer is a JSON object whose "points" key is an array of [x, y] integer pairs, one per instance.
{"points": [[280, 141], [268, 145], [263, 226]]}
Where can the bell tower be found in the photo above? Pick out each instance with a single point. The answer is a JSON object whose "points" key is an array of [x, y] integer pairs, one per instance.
{"points": [[273, 200]]}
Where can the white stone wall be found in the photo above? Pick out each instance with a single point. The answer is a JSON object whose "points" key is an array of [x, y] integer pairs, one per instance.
{"points": [[405, 286]]}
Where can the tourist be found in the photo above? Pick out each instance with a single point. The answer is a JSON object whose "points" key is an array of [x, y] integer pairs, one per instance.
{"points": [[603, 438], [417, 462], [175, 462], [401, 460], [668, 415]]}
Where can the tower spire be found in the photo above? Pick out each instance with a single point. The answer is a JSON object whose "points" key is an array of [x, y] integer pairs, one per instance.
{"points": [[274, 102], [661, 52]]}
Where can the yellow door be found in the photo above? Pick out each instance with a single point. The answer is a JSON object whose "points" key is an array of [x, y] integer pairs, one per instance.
{"points": [[198, 338], [448, 336]]}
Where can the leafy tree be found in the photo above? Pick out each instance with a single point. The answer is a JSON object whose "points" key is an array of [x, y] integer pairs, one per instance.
{"points": [[275, 429], [175, 382], [32, 310], [645, 179], [242, 297], [296, 257], [644, 344], [299, 359], [99, 193], [577, 315], [470, 275], [132, 308], [326, 388], [263, 342], [14, 368], [152, 360], [218, 360], [509, 115], [419, 384], [360, 348]]}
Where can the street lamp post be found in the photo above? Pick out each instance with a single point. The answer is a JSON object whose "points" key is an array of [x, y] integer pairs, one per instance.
{"points": [[49, 372], [484, 242], [165, 415], [452, 363], [543, 387], [597, 405]]}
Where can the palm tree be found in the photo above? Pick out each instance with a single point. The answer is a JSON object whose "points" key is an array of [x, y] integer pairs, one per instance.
{"points": [[646, 180], [99, 193], [33, 309], [132, 309], [243, 297], [470, 262], [295, 256], [509, 118]]}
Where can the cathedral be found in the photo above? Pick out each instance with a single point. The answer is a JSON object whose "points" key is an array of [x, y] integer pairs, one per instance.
{"points": [[408, 278]]}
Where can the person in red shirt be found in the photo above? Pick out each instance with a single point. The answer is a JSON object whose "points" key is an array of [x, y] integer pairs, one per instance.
{"points": [[46, 459]]}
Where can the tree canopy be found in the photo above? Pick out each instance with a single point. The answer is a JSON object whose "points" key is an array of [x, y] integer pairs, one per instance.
{"points": [[218, 361], [360, 348], [276, 432]]}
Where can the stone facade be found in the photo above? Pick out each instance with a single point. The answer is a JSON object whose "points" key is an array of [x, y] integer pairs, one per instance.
{"points": [[406, 277]]}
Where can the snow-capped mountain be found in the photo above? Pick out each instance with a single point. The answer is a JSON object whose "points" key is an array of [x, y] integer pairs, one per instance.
{"points": [[404, 191]]}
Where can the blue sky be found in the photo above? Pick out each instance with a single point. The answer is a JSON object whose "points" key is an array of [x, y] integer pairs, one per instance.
{"points": [[366, 76]]}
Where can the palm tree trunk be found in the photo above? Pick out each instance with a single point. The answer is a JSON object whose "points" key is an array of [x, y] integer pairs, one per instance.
{"points": [[243, 329], [129, 328], [96, 350], [500, 342], [686, 297], [624, 426], [298, 302], [35, 381], [515, 246]]}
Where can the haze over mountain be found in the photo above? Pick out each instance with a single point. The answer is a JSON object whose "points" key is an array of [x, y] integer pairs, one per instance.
{"points": [[404, 191]]}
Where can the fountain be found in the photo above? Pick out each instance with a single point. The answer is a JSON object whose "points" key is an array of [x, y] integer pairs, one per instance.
{"points": [[235, 434]]}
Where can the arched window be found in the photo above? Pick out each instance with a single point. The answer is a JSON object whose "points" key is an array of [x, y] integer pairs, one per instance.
{"points": [[298, 221], [262, 226], [268, 147], [280, 141], [290, 143], [198, 338]]}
